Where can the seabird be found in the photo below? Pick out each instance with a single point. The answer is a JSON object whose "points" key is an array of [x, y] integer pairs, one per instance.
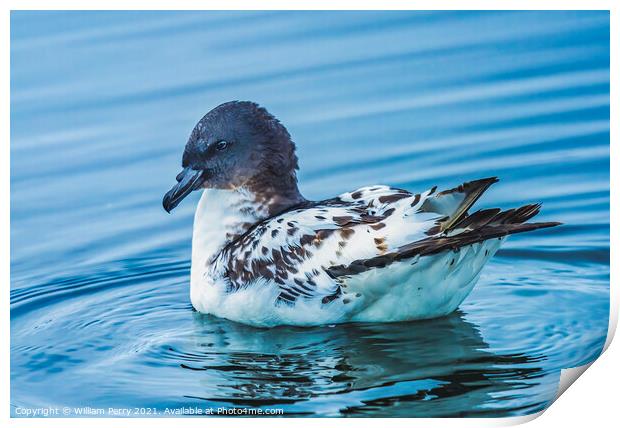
{"points": [[264, 255]]}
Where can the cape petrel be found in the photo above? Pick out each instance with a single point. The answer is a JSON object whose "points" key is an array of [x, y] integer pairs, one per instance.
{"points": [[264, 255]]}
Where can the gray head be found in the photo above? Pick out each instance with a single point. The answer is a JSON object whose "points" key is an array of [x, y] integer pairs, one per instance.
{"points": [[239, 145]]}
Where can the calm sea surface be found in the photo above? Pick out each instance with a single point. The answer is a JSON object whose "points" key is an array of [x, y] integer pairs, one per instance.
{"points": [[102, 105]]}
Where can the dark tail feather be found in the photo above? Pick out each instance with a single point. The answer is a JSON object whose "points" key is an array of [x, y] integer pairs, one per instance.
{"points": [[478, 227], [495, 217], [471, 191], [438, 244], [476, 220]]}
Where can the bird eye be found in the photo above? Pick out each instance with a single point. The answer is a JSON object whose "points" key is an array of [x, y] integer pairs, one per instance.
{"points": [[222, 145]]}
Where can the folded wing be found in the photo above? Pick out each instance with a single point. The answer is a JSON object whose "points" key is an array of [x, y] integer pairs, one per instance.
{"points": [[305, 250]]}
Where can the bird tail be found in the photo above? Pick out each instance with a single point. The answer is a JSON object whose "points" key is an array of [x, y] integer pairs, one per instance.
{"points": [[463, 230]]}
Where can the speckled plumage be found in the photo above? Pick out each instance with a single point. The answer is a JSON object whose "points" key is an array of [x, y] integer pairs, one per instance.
{"points": [[264, 255]]}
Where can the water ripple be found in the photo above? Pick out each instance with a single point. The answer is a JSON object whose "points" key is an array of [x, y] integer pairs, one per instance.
{"points": [[99, 273]]}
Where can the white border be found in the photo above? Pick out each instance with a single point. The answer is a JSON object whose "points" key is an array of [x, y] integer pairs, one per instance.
{"points": [[592, 399]]}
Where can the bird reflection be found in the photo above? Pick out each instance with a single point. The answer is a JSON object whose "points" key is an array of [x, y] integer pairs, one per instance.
{"points": [[440, 367]]}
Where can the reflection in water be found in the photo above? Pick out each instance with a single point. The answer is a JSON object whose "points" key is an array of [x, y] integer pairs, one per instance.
{"points": [[136, 318], [406, 365]]}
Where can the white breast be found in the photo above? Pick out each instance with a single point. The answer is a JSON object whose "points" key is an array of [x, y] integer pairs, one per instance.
{"points": [[220, 214]]}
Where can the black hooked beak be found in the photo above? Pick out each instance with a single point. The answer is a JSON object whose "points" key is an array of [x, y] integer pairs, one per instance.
{"points": [[188, 181]]}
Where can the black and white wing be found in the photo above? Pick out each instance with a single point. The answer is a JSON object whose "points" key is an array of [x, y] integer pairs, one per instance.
{"points": [[295, 249], [307, 251]]}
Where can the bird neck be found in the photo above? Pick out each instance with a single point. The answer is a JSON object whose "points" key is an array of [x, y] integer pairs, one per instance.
{"points": [[274, 192], [222, 216]]}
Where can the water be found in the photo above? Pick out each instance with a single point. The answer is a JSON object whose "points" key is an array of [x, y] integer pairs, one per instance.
{"points": [[102, 104]]}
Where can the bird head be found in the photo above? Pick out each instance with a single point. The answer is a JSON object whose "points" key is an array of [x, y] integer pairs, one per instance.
{"points": [[236, 145]]}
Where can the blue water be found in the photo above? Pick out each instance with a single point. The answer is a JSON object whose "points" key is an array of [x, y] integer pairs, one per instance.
{"points": [[102, 104]]}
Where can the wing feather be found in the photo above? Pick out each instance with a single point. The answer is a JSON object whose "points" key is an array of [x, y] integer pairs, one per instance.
{"points": [[304, 251], [295, 249]]}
